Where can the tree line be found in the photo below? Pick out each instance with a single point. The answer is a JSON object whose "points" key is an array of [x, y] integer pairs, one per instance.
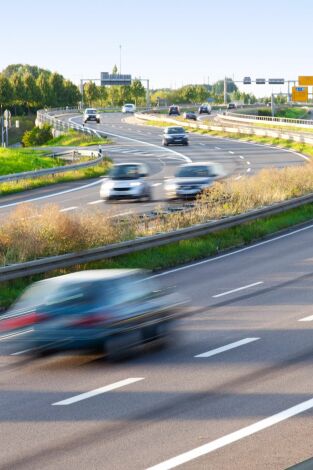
{"points": [[25, 88]]}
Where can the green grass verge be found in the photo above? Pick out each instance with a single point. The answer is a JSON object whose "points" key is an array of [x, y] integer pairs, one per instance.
{"points": [[181, 252], [292, 113], [19, 160], [26, 123], [77, 139], [300, 147], [27, 184]]}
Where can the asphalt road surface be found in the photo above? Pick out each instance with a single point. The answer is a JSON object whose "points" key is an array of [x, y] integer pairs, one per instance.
{"points": [[143, 143], [233, 389]]}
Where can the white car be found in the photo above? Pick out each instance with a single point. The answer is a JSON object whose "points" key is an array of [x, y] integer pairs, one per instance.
{"points": [[126, 181], [90, 114], [129, 108], [192, 178]]}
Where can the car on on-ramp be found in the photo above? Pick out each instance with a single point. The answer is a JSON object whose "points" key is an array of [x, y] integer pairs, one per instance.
{"points": [[191, 179], [126, 181]]}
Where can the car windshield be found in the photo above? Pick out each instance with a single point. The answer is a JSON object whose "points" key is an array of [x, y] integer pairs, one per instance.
{"points": [[126, 172], [175, 130], [193, 172], [90, 111]]}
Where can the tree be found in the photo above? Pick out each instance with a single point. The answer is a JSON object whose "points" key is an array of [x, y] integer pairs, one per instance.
{"points": [[71, 93], [45, 89], [57, 89], [32, 92], [113, 95], [137, 90], [90, 92], [6, 92], [114, 70], [218, 87], [102, 95]]}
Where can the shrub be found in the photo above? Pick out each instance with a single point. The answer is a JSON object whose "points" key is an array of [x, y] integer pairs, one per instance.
{"points": [[37, 136], [265, 112]]}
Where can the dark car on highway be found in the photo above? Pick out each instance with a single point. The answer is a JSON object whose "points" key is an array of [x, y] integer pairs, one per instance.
{"points": [[93, 310], [174, 110], [190, 115], [205, 109], [231, 106], [174, 135]]}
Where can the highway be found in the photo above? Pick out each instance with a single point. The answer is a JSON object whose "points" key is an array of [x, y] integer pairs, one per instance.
{"points": [[233, 388], [143, 143]]}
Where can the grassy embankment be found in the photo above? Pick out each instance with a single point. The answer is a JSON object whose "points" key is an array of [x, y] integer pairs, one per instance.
{"points": [[77, 139], [21, 160], [54, 233]]}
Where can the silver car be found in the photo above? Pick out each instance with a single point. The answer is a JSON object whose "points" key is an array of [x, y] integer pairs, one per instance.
{"points": [[127, 181], [192, 178]]}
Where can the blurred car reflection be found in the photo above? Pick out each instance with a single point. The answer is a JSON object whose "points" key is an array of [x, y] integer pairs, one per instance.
{"points": [[101, 309]]}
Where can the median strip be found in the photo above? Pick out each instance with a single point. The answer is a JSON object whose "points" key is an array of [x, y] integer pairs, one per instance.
{"points": [[97, 391], [227, 347]]}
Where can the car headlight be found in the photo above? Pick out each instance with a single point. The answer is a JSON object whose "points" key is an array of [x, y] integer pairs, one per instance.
{"points": [[135, 183], [107, 185], [171, 187]]}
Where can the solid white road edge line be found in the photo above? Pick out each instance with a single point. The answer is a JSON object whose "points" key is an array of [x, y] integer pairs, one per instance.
{"points": [[238, 289], [12, 204], [310, 318], [234, 436], [227, 347], [66, 209], [98, 391], [226, 255], [95, 202]]}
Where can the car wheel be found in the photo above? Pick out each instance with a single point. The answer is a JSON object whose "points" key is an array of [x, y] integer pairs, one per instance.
{"points": [[165, 144]]}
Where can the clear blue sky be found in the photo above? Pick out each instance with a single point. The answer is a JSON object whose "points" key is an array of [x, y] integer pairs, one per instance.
{"points": [[172, 42]]}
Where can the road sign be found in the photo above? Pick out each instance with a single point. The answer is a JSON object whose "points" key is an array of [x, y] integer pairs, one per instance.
{"points": [[247, 81], [276, 81], [115, 79], [305, 80], [260, 81], [300, 93]]}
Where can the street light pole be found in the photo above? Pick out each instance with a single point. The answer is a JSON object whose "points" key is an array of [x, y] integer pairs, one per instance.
{"points": [[120, 59]]}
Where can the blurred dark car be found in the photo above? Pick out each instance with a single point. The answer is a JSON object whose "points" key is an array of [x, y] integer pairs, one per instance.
{"points": [[190, 115], [231, 106], [105, 310], [174, 135], [174, 110], [205, 109]]}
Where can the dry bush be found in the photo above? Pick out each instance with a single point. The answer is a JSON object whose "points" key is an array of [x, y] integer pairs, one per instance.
{"points": [[31, 232]]}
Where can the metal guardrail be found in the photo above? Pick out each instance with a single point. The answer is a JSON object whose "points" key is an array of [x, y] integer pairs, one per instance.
{"points": [[280, 120], [55, 170], [43, 265]]}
